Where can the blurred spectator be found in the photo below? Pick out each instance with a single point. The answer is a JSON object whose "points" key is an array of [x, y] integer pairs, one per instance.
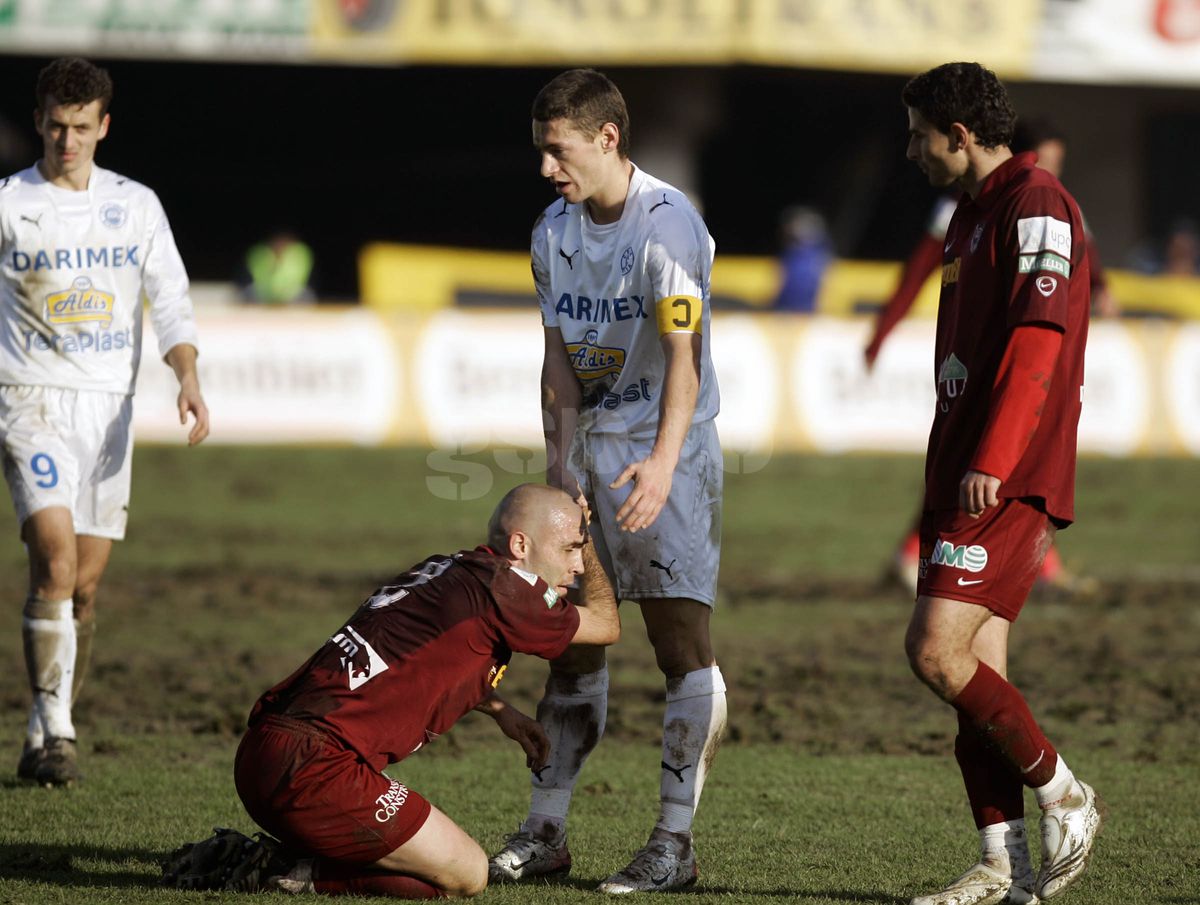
{"points": [[806, 253], [1181, 257], [279, 271]]}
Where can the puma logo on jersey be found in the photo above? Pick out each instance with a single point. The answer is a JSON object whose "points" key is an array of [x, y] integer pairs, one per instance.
{"points": [[667, 568], [567, 257], [677, 773], [661, 203], [566, 207], [36, 221]]}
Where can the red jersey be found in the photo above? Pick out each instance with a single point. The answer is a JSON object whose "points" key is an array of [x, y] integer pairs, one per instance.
{"points": [[421, 652], [1015, 255]]}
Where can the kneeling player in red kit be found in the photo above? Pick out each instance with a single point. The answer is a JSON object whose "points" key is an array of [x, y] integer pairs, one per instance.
{"points": [[414, 658]]}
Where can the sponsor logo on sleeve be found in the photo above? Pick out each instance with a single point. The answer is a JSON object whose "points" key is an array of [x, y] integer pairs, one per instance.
{"points": [[1047, 260], [1038, 234], [1046, 285], [551, 597], [951, 381], [358, 658]]}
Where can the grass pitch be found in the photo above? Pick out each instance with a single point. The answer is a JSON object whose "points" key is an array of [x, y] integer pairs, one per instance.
{"points": [[836, 783]]}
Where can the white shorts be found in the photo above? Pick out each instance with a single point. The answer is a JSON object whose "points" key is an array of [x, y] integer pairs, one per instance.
{"points": [[71, 448], [677, 556]]}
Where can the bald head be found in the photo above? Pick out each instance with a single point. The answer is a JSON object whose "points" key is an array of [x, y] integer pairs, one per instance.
{"points": [[530, 509]]}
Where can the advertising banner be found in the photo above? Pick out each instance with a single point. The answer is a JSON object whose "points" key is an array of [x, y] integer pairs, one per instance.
{"points": [[873, 35]]}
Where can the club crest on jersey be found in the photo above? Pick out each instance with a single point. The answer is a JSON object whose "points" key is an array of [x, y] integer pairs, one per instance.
{"points": [[112, 214], [81, 303], [592, 361], [627, 257], [951, 381], [976, 236], [358, 657]]}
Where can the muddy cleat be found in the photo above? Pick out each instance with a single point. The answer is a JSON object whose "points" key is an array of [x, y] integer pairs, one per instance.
{"points": [[982, 885], [58, 764], [525, 856], [297, 881], [667, 861], [265, 861], [207, 864], [31, 759], [1068, 834]]}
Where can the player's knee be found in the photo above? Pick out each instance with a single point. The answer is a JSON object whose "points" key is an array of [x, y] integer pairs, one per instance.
{"points": [[54, 575], [924, 657], [84, 600], [471, 880], [579, 659]]}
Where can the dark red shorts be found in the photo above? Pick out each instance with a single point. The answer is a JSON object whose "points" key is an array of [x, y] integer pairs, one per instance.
{"points": [[304, 787], [992, 560]]}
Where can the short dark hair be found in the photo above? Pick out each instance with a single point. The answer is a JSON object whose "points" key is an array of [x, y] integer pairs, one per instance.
{"points": [[586, 98], [964, 93], [1032, 131], [73, 80]]}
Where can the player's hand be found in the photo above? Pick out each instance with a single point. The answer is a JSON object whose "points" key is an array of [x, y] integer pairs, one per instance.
{"points": [[651, 486], [191, 401], [977, 492], [526, 732]]}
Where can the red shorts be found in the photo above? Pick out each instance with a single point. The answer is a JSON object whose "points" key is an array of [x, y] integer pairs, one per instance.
{"points": [[314, 794], [992, 560]]}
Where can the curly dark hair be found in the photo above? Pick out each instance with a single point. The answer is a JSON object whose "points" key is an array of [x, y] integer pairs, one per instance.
{"points": [[586, 98], [72, 81], [964, 93]]}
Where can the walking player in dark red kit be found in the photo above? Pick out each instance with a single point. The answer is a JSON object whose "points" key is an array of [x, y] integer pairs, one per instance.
{"points": [[414, 658], [1000, 471]]}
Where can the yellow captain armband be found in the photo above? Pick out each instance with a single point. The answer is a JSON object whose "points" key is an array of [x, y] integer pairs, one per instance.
{"points": [[680, 314]]}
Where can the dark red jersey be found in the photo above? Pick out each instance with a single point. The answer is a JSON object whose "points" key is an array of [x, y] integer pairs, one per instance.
{"points": [[1015, 255], [421, 652]]}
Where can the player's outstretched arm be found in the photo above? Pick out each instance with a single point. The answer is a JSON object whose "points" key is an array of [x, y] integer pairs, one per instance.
{"points": [[182, 359], [561, 397], [523, 730], [599, 619], [652, 476]]}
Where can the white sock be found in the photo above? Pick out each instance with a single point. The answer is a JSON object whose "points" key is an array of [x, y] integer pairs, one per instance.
{"points": [[35, 736], [1054, 793], [1005, 847], [692, 728], [573, 711], [48, 630]]}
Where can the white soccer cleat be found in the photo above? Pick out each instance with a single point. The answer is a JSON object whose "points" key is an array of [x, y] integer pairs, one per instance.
{"points": [[982, 885], [666, 862], [1068, 834], [525, 856]]}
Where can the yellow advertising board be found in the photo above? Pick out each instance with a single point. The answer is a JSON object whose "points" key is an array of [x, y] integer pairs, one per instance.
{"points": [[874, 35]]}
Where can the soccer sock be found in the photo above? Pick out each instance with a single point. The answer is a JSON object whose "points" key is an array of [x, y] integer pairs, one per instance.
{"points": [[1057, 789], [996, 709], [692, 728], [35, 737], [993, 788], [333, 878], [48, 631], [85, 631], [573, 711], [1005, 846]]}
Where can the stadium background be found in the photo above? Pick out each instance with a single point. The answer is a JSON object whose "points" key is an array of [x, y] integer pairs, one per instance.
{"points": [[394, 138]]}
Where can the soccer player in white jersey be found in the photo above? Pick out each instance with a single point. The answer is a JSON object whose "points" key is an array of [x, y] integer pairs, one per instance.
{"points": [[79, 249], [621, 262]]}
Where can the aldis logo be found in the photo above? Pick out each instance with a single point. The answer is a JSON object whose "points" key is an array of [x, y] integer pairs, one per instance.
{"points": [[82, 303], [951, 381], [592, 362], [355, 650], [973, 558]]}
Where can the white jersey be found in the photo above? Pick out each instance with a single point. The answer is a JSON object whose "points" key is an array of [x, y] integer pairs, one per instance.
{"points": [[74, 268], [614, 289]]}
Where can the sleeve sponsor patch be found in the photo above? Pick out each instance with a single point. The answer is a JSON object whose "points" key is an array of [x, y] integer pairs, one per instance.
{"points": [[1045, 261], [680, 314], [1038, 234]]}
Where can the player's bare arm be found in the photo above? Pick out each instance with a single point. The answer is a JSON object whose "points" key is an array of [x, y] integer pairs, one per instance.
{"points": [[652, 476], [561, 396], [182, 359], [523, 730], [599, 619]]}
